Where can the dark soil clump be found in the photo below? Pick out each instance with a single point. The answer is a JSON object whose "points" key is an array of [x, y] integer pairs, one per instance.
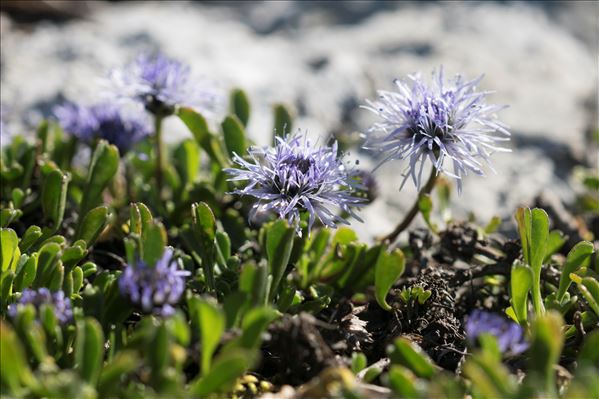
{"points": [[295, 351]]}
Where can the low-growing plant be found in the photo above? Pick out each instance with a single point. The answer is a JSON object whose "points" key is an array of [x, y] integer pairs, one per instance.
{"points": [[214, 268]]}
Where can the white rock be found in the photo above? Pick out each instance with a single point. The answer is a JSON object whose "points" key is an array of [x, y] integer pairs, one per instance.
{"points": [[537, 67]]}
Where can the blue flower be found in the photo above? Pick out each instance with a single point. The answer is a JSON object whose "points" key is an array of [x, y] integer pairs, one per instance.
{"points": [[448, 123], [510, 335], [102, 121], [154, 288], [57, 301], [160, 84], [296, 176]]}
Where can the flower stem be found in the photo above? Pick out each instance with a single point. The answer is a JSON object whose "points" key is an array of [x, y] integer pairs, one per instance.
{"points": [[537, 299], [428, 187], [159, 153]]}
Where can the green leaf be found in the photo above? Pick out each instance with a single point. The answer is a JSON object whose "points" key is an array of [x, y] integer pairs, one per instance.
{"points": [[233, 306], [159, 352], [538, 237], [388, 268], [358, 362], [67, 284], [195, 122], [77, 276], [103, 167], [10, 253], [49, 320], [234, 135], [407, 354], [227, 367], [31, 333], [555, 241], [260, 280], [423, 296], [9, 215], [372, 373], [140, 218], [153, 240], [26, 274], [42, 133], [344, 235], [72, 255], [403, 382], [56, 277], [545, 349], [89, 350], [49, 256], [589, 288], [54, 197], [588, 353], [18, 375], [94, 222], [575, 259], [31, 235], [124, 363], [240, 106], [489, 377], [523, 217], [279, 244], [283, 121], [425, 205], [18, 197], [204, 228], [534, 231], [224, 246], [6, 279], [89, 268], [179, 328], [254, 323], [187, 161], [493, 225], [199, 129], [520, 284], [210, 321]]}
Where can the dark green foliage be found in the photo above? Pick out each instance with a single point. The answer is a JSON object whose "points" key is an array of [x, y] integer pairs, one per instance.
{"points": [[264, 306]]}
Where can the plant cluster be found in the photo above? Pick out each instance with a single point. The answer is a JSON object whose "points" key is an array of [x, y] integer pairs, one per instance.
{"points": [[214, 268]]}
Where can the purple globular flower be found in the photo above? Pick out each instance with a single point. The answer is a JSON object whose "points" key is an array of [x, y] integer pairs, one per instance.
{"points": [[57, 301], [448, 123], [160, 84], [154, 289], [78, 120], [510, 335], [296, 176], [102, 121]]}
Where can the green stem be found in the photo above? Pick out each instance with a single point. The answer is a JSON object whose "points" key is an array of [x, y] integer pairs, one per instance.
{"points": [[159, 153], [428, 187], [537, 299]]}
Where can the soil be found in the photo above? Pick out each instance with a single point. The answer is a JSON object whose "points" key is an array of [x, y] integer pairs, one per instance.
{"points": [[299, 347]]}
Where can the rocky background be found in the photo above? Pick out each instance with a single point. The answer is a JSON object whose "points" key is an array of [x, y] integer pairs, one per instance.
{"points": [[324, 59]]}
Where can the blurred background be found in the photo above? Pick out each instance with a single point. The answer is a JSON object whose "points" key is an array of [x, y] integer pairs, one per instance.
{"points": [[324, 59]]}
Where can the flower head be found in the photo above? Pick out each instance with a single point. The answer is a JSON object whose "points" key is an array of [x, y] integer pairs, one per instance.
{"points": [[103, 121], [57, 301], [296, 176], [448, 123], [160, 83], [154, 288], [510, 335]]}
